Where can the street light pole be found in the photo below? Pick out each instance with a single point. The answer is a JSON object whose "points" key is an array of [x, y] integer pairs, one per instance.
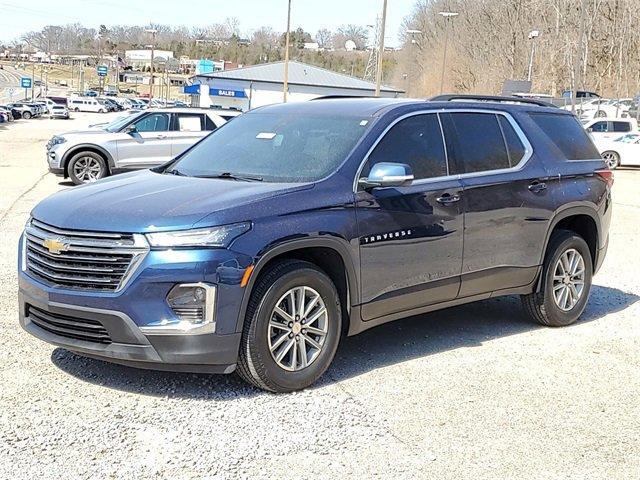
{"points": [[153, 32], [285, 85], [447, 16], [381, 47], [533, 34]]}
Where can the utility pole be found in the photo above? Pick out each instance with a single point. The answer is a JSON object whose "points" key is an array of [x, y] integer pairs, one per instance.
{"points": [[447, 16], [33, 78], [533, 34], [576, 64], [381, 46], [285, 86], [153, 32]]}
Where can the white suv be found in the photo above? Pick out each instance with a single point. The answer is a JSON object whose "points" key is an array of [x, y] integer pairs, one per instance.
{"points": [[140, 140]]}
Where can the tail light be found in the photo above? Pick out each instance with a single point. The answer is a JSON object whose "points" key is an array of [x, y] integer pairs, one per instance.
{"points": [[606, 175]]}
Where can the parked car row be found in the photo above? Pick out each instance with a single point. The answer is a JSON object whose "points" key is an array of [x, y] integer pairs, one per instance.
{"points": [[25, 109]]}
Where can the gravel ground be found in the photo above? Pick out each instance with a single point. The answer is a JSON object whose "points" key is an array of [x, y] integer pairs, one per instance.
{"points": [[471, 392]]}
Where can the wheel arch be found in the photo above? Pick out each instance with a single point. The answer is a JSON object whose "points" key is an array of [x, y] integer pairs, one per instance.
{"points": [[329, 254], [87, 147], [583, 221]]}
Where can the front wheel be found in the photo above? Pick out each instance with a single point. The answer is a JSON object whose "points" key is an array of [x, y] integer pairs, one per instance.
{"points": [[87, 167], [600, 114], [26, 115], [612, 159], [566, 282], [292, 327]]}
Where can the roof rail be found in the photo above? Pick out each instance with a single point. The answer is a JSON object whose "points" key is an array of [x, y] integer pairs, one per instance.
{"points": [[490, 98], [332, 97]]}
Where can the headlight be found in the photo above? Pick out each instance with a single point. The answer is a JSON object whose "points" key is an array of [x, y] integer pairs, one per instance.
{"points": [[57, 140], [202, 237]]}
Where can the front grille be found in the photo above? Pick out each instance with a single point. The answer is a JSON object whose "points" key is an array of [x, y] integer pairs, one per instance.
{"points": [[81, 260], [70, 327]]}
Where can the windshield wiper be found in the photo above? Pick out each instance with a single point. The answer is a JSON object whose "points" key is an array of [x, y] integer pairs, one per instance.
{"points": [[233, 176], [176, 172]]}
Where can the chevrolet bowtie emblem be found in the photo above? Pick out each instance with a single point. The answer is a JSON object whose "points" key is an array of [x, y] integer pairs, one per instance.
{"points": [[54, 245]]}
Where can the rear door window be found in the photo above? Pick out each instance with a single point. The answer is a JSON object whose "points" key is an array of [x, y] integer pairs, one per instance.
{"points": [[188, 122], [600, 127], [477, 140], [515, 148], [621, 127], [566, 133]]}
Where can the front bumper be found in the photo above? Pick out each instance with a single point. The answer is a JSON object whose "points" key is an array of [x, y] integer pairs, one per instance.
{"points": [[126, 315], [129, 346]]}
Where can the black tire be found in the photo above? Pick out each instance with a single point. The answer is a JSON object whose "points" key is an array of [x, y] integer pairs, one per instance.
{"points": [[26, 115], [541, 306], [102, 171], [612, 158], [256, 364], [76, 109], [600, 114]]}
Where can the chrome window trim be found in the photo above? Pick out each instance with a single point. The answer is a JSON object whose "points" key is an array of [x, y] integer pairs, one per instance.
{"points": [[528, 148]]}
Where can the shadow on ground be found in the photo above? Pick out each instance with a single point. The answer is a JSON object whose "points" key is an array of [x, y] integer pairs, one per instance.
{"points": [[389, 344]]}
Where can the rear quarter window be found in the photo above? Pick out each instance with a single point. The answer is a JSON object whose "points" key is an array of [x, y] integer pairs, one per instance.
{"points": [[566, 133]]}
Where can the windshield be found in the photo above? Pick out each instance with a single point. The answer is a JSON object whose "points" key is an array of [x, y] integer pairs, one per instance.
{"points": [[275, 147], [120, 122]]}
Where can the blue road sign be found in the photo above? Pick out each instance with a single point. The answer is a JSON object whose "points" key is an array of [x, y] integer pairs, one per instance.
{"points": [[25, 82], [102, 70]]}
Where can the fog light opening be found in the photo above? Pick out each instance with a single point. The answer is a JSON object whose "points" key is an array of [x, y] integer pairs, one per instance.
{"points": [[193, 305]]}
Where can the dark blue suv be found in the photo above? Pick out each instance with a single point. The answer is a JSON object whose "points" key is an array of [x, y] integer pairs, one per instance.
{"points": [[295, 224]]}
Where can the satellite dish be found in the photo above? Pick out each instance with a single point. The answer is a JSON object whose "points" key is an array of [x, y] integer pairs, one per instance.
{"points": [[349, 45]]}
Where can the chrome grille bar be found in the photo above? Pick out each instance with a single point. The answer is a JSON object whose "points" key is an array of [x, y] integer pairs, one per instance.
{"points": [[82, 260]]}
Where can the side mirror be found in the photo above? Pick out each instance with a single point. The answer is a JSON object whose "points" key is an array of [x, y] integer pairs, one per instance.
{"points": [[130, 130], [590, 129], [387, 174]]}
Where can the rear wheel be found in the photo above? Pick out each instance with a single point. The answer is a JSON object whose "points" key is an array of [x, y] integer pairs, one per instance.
{"points": [[601, 114], [566, 282], [612, 158], [87, 167], [292, 327]]}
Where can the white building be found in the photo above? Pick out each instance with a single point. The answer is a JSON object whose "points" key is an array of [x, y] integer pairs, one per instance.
{"points": [[251, 87], [142, 58]]}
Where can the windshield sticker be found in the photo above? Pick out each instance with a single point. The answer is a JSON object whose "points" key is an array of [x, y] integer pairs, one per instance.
{"points": [[266, 136], [364, 122]]}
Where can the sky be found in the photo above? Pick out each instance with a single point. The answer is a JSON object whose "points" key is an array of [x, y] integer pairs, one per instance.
{"points": [[18, 17]]}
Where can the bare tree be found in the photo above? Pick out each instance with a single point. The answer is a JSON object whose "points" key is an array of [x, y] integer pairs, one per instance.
{"points": [[323, 38]]}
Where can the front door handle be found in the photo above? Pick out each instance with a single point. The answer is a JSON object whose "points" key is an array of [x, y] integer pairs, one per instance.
{"points": [[448, 199], [161, 137], [537, 187]]}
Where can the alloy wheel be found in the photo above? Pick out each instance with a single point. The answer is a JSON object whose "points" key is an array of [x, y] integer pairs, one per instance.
{"points": [[298, 327], [87, 169], [568, 279], [611, 158]]}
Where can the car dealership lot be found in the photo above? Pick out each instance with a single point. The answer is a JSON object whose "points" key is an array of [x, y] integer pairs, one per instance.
{"points": [[474, 391]]}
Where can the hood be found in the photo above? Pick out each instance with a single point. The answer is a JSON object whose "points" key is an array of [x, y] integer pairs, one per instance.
{"points": [[88, 131], [146, 201]]}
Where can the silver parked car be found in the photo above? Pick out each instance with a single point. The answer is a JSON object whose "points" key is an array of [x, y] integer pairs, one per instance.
{"points": [[141, 140]]}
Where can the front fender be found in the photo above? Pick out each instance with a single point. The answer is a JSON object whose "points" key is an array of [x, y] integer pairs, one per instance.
{"points": [[335, 243]]}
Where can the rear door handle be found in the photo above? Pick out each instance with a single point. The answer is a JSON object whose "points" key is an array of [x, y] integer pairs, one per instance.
{"points": [[447, 199], [537, 187]]}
